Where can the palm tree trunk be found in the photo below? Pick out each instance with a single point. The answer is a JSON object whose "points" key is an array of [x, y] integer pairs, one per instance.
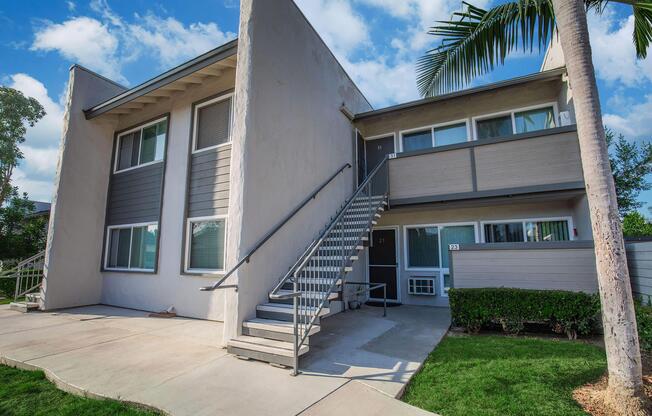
{"points": [[618, 317]]}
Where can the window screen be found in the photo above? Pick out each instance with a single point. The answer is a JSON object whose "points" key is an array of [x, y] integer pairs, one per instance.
{"points": [[494, 127], [509, 232], [423, 247], [450, 134], [417, 141], [539, 119], [213, 124], [547, 231]]}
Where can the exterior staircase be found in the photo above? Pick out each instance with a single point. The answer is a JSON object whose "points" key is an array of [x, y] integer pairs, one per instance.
{"points": [[313, 288], [28, 275]]}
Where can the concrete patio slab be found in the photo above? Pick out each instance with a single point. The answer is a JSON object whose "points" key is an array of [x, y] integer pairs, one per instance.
{"points": [[355, 398], [383, 353], [359, 360]]}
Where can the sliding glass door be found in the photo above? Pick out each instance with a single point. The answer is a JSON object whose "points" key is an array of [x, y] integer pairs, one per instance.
{"points": [[427, 248]]}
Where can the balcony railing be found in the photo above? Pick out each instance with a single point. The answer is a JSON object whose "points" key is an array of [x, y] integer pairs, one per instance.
{"points": [[547, 160]]}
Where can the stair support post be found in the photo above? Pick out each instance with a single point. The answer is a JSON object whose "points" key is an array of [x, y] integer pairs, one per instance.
{"points": [[295, 307]]}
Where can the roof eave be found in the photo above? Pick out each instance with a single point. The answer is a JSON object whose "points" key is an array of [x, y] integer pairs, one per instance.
{"points": [[539, 76], [168, 77]]}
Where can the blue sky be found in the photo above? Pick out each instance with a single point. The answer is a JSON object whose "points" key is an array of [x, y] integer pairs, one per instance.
{"points": [[377, 41]]}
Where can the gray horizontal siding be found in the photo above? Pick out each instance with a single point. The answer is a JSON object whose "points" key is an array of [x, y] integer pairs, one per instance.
{"points": [[135, 195], [208, 192], [549, 269], [639, 261]]}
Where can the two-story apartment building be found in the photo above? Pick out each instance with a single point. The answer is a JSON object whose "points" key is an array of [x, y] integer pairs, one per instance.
{"points": [[263, 156]]}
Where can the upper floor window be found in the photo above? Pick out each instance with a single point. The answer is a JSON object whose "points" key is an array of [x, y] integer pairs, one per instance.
{"points": [[212, 123], [141, 146], [515, 122], [439, 135]]}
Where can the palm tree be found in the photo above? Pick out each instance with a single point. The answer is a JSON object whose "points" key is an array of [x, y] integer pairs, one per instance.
{"points": [[474, 42]]}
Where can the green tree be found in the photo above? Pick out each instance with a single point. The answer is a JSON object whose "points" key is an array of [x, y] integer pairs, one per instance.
{"points": [[472, 43], [636, 225], [21, 234], [16, 113], [630, 164]]}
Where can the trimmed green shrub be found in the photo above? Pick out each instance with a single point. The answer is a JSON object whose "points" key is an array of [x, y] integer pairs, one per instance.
{"points": [[572, 313], [644, 324]]}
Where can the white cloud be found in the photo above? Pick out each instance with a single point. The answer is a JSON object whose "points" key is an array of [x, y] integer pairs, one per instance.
{"points": [[635, 122], [342, 28], [173, 42], [384, 84], [107, 43], [71, 5], [41, 147], [47, 132], [82, 40], [614, 56]]}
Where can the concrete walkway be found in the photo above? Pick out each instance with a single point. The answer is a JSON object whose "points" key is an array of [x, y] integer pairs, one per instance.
{"points": [[357, 365]]}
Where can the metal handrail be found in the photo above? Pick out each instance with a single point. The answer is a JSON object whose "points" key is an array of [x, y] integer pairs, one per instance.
{"points": [[370, 287], [323, 264], [301, 262], [27, 279], [247, 257]]}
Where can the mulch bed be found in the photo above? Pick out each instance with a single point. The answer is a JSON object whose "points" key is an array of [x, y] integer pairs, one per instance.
{"points": [[590, 396]]}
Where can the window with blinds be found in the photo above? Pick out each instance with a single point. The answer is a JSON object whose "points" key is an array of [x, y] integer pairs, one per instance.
{"points": [[213, 123]]}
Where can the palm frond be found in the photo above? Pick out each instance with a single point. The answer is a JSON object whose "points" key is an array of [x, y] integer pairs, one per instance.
{"points": [[642, 9], [642, 27], [475, 40]]}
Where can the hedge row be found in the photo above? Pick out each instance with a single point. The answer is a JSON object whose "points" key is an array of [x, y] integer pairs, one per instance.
{"points": [[572, 313]]}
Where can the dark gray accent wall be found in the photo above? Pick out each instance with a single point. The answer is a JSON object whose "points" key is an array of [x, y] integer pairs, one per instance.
{"points": [[135, 195], [208, 192], [639, 261]]}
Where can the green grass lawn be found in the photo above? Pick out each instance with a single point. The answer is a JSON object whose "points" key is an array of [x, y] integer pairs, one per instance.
{"points": [[29, 393], [496, 375]]}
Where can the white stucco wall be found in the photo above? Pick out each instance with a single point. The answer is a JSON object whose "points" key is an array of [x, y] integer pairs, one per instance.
{"points": [[168, 287], [74, 247], [290, 137]]}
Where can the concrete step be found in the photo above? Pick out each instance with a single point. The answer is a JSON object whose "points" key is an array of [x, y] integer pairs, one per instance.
{"points": [[24, 306], [331, 269], [272, 329], [334, 258], [264, 349], [284, 312], [311, 295], [33, 297], [332, 239]]}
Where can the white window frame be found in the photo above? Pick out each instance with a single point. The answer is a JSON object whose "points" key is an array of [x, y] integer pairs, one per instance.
{"points": [[438, 271], [107, 250], [523, 221], [140, 145], [511, 113], [189, 222], [432, 128], [195, 124]]}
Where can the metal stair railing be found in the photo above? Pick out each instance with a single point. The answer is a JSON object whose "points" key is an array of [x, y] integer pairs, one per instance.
{"points": [[28, 274], [323, 264], [247, 257]]}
